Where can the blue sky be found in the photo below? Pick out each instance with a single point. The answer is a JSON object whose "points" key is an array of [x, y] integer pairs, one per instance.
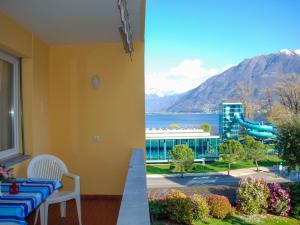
{"points": [[188, 41]]}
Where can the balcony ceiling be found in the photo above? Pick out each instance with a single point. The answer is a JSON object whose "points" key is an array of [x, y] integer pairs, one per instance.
{"points": [[75, 21]]}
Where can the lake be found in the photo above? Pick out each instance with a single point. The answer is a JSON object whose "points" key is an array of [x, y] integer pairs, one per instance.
{"points": [[183, 120]]}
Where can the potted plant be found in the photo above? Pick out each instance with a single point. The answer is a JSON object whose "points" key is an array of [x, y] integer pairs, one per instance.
{"points": [[5, 175]]}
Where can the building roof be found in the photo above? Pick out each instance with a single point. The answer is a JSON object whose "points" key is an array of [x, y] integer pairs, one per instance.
{"points": [[232, 103], [155, 134]]}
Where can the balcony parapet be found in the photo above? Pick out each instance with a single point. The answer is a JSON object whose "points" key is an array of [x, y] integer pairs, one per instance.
{"points": [[134, 208]]}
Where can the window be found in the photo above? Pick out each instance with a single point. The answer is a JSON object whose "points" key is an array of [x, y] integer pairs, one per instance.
{"points": [[154, 150], [169, 147], [9, 102], [148, 149], [162, 153]]}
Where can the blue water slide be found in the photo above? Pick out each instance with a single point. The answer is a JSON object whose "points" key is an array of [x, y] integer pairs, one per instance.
{"points": [[261, 134], [256, 129]]}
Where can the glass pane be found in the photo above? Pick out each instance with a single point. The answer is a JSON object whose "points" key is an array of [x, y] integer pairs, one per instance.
{"points": [[6, 106], [206, 151], [192, 144], [148, 149], [154, 149], [185, 142], [169, 147], [197, 148], [162, 150]]}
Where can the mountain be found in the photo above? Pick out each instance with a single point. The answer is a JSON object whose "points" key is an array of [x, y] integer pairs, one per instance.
{"points": [[158, 104], [259, 72]]}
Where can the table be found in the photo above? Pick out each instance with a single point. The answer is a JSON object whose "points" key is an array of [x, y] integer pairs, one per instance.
{"points": [[15, 208]]}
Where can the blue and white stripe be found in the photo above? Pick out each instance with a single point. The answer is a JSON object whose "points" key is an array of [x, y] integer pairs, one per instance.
{"points": [[15, 208]]}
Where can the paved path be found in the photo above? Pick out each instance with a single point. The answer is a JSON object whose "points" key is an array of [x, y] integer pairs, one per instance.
{"points": [[225, 190], [211, 179]]}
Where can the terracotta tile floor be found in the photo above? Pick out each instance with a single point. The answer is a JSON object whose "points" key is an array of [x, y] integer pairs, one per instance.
{"points": [[94, 212]]}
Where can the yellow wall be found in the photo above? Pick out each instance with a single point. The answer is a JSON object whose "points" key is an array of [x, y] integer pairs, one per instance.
{"points": [[115, 112], [14, 38], [34, 56], [62, 113], [35, 85]]}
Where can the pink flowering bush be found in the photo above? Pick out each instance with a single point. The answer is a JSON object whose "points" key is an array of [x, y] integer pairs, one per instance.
{"points": [[5, 174], [252, 196], [279, 201]]}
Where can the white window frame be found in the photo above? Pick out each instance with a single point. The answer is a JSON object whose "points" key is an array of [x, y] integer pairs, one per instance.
{"points": [[16, 79]]}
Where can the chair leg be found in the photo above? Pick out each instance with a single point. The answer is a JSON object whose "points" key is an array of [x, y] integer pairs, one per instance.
{"points": [[78, 205], [63, 206], [36, 215], [46, 214], [42, 213]]}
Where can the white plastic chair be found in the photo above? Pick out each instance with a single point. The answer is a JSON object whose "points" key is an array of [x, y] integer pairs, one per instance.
{"points": [[51, 167]]}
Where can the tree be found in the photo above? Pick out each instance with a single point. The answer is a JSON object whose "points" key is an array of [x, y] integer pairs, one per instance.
{"points": [[254, 150], [205, 127], [276, 113], [174, 126], [266, 104], [288, 142], [230, 151], [244, 91], [288, 90], [267, 100], [182, 158]]}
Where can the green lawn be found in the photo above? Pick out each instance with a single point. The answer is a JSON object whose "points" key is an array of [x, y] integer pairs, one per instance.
{"points": [[266, 220], [212, 167], [236, 220]]}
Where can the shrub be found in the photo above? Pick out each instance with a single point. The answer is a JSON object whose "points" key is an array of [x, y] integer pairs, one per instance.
{"points": [[172, 167], [174, 126], [184, 209], [252, 196], [180, 207], [205, 127], [279, 201], [200, 207], [219, 206], [158, 208], [295, 201], [296, 212]]}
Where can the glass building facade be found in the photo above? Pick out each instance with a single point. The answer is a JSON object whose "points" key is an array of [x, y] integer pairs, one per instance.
{"points": [[158, 150], [228, 129]]}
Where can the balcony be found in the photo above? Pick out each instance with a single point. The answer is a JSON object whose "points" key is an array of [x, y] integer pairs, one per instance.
{"points": [[130, 209], [61, 47]]}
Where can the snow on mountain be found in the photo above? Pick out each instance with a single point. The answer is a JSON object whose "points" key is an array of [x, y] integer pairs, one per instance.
{"points": [[290, 52]]}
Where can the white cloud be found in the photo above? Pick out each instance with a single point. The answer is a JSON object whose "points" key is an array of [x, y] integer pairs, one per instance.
{"points": [[188, 74]]}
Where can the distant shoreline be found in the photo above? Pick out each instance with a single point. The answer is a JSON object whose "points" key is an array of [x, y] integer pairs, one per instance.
{"points": [[164, 120]]}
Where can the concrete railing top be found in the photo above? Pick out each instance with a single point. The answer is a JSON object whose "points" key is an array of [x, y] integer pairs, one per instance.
{"points": [[134, 208]]}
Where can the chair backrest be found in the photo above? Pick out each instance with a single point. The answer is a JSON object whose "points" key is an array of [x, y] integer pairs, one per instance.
{"points": [[46, 166]]}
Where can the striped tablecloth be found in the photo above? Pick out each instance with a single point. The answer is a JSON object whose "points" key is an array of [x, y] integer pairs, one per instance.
{"points": [[15, 208]]}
